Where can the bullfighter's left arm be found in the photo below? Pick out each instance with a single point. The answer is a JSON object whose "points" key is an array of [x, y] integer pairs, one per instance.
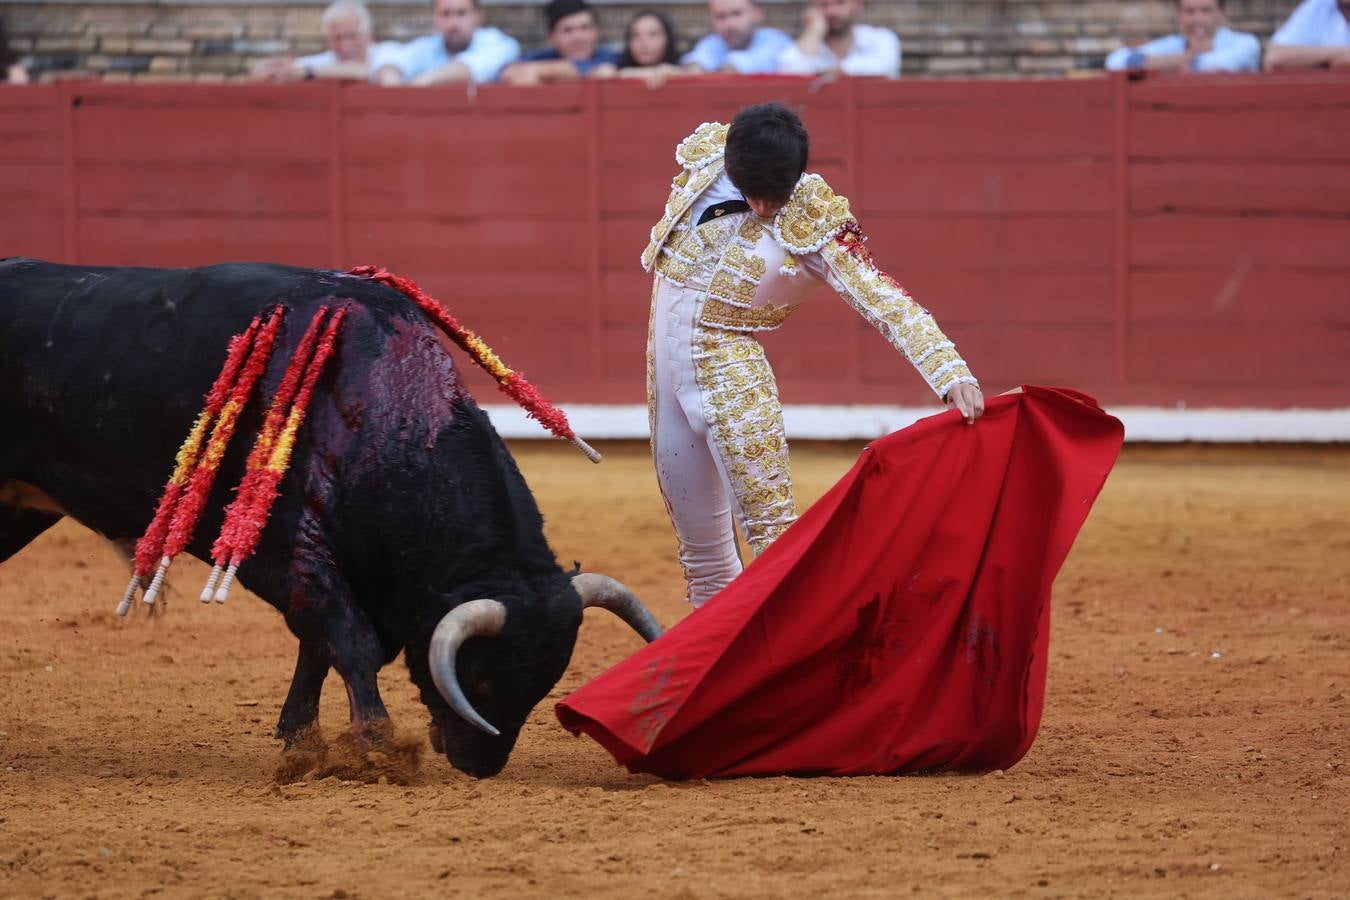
{"points": [[846, 265]]}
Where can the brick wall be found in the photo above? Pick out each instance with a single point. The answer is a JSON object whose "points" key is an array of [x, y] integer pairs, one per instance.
{"points": [[217, 41]]}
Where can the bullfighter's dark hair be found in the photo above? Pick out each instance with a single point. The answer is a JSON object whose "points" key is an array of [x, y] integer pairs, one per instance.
{"points": [[767, 150]]}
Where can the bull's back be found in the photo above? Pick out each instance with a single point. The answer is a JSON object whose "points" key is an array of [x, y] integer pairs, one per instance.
{"points": [[103, 369]]}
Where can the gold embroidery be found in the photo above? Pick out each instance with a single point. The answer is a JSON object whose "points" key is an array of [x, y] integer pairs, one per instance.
{"points": [[812, 216], [746, 422], [681, 198], [728, 286], [717, 314], [674, 268], [746, 263], [723, 284], [704, 146], [889, 309], [679, 257]]}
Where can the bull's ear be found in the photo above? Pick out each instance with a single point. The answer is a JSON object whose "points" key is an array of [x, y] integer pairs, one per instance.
{"points": [[575, 570]]}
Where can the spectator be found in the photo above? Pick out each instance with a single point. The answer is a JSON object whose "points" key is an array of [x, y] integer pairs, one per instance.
{"points": [[739, 42], [833, 40], [347, 29], [574, 49], [650, 49], [1203, 45], [1316, 34], [11, 68], [462, 50]]}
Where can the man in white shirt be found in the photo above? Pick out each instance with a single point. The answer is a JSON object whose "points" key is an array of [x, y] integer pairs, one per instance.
{"points": [[1316, 34], [833, 40], [1203, 44], [462, 50], [350, 53]]}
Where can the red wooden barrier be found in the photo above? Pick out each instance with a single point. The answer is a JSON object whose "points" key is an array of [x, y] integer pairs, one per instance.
{"points": [[1162, 241]]}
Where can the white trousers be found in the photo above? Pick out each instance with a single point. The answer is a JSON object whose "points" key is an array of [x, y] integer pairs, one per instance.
{"points": [[717, 440]]}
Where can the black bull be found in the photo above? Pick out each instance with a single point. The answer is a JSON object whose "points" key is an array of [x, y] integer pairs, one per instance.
{"points": [[401, 504]]}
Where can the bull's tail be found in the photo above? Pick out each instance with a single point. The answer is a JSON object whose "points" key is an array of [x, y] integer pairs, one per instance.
{"points": [[510, 381]]}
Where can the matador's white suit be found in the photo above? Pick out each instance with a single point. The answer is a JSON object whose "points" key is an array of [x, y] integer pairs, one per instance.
{"points": [[716, 423]]}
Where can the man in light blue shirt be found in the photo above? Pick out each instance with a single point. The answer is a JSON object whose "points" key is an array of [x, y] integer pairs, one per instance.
{"points": [[1316, 34], [739, 42], [461, 50], [1204, 45]]}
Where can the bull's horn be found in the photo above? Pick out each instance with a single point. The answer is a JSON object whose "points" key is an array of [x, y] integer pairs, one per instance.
{"points": [[477, 618], [606, 593]]}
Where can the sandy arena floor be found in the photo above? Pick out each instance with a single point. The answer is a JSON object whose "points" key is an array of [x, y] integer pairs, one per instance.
{"points": [[1194, 741]]}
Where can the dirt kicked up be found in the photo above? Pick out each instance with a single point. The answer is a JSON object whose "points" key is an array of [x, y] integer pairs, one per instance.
{"points": [[1194, 741]]}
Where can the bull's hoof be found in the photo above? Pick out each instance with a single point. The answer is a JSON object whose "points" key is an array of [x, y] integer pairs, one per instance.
{"points": [[309, 738], [374, 753], [297, 765]]}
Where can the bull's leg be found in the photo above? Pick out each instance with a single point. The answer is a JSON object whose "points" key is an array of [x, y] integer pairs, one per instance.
{"points": [[301, 710], [19, 526], [324, 615]]}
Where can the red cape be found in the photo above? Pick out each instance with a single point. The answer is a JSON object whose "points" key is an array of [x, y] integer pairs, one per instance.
{"points": [[900, 625]]}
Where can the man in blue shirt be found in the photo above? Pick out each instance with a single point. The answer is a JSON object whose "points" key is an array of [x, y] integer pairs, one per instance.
{"points": [[1316, 34], [739, 42], [1204, 45], [461, 50], [574, 49]]}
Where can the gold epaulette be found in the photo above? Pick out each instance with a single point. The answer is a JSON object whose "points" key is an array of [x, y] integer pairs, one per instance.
{"points": [[700, 157], [702, 148], [812, 217]]}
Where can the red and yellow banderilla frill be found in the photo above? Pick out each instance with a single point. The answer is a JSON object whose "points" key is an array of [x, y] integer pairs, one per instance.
{"points": [[271, 455], [153, 545], [512, 383], [199, 458]]}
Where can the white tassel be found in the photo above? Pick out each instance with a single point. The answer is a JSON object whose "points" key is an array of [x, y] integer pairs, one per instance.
{"points": [[591, 453], [152, 592], [223, 592], [124, 605], [211, 583]]}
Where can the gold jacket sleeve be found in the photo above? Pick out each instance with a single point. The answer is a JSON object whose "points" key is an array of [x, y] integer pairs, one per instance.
{"points": [[880, 300]]}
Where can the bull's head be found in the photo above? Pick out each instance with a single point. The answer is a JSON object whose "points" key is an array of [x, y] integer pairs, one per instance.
{"points": [[491, 671]]}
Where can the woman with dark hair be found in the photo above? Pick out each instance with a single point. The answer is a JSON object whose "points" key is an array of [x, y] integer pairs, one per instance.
{"points": [[11, 69], [650, 49], [649, 41]]}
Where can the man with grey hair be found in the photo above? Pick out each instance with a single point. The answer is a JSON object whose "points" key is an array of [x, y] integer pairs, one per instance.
{"points": [[350, 53]]}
